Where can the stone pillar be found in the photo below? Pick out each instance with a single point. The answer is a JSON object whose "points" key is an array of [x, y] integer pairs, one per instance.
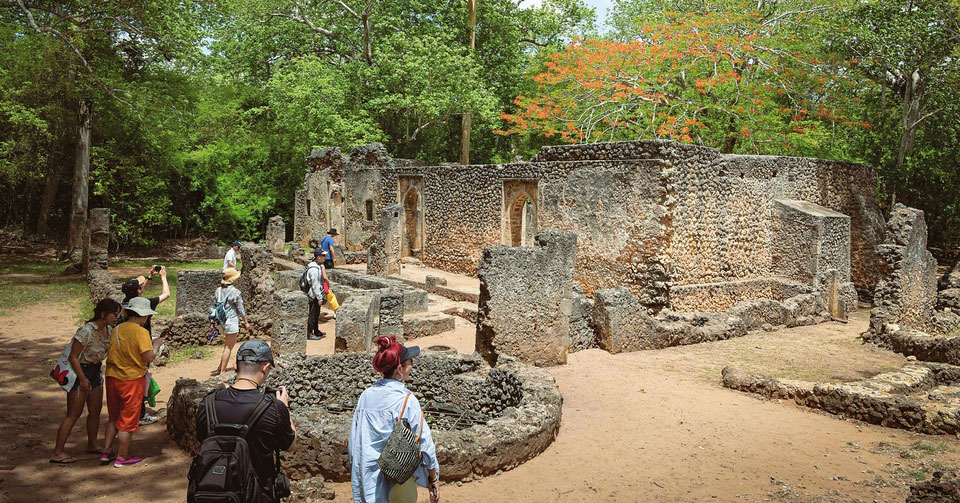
{"points": [[289, 331], [355, 322], [276, 234], [906, 292], [195, 290], [256, 278], [99, 223], [383, 256], [526, 300]]}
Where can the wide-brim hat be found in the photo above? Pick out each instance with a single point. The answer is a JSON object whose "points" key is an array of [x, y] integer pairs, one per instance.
{"points": [[139, 305], [332, 232], [230, 276]]}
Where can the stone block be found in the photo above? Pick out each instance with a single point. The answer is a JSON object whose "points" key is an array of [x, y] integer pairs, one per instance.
{"points": [[276, 234], [526, 297], [256, 277], [103, 285], [808, 239], [288, 280], [424, 325], [356, 320], [621, 322], [195, 290], [289, 332], [582, 333], [435, 281]]}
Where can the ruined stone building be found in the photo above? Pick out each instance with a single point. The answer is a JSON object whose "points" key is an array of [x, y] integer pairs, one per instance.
{"points": [[680, 226]]}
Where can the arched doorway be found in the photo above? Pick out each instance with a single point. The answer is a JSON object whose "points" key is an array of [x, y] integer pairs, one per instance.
{"points": [[335, 212], [523, 221], [412, 237]]}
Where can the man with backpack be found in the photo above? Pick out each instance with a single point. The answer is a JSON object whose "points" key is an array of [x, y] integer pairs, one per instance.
{"points": [[241, 433], [312, 283]]}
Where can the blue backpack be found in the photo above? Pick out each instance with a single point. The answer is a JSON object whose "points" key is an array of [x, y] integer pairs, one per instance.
{"points": [[218, 311]]}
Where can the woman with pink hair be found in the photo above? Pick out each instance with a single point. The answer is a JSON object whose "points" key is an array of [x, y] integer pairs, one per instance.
{"points": [[380, 408]]}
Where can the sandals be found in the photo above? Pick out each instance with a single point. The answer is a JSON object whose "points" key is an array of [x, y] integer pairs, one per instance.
{"points": [[69, 460], [107, 456]]}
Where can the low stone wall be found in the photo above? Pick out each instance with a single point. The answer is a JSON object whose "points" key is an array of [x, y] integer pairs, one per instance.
{"points": [[482, 419], [103, 285], [426, 325], [195, 290], [193, 329], [910, 342], [414, 300], [920, 396], [943, 487], [440, 289], [718, 297]]}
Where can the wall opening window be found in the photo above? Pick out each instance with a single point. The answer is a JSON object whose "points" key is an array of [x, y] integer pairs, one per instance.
{"points": [[369, 210], [308, 208]]}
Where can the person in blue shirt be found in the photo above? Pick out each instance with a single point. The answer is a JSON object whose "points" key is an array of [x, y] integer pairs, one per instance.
{"points": [[378, 410], [326, 244]]}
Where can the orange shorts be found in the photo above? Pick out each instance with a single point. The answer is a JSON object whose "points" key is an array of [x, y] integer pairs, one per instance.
{"points": [[124, 399]]}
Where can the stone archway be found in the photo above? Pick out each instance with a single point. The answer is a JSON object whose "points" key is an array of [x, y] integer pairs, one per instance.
{"points": [[335, 212], [523, 221], [412, 236]]}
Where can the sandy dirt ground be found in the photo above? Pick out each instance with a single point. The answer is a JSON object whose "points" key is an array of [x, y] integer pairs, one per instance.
{"points": [[645, 426]]}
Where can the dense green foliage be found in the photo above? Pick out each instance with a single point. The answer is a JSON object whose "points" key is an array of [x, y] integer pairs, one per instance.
{"points": [[205, 110]]}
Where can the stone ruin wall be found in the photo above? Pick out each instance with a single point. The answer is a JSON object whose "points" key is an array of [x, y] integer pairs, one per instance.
{"points": [[650, 215]]}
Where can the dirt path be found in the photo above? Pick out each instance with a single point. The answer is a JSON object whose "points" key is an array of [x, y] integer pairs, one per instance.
{"points": [[646, 426]]}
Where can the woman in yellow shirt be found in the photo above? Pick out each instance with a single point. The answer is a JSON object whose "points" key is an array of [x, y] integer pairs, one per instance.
{"points": [[130, 351]]}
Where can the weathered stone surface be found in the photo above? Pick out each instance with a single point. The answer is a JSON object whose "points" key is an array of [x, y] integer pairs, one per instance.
{"points": [[496, 418], [807, 240], [103, 285], [290, 321], [309, 490], [383, 255], [621, 323], [193, 329], [650, 215], [920, 396], [424, 325], [390, 318], [296, 253], [256, 277], [943, 487], [582, 333], [415, 300], [276, 234], [951, 279], [949, 299], [910, 342], [99, 225], [356, 323], [526, 297], [718, 297], [906, 293], [196, 289]]}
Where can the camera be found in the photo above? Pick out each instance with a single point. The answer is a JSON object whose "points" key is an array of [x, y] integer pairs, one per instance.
{"points": [[156, 268], [267, 390]]}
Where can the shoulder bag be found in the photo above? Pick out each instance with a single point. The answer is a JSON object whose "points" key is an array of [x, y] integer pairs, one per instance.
{"points": [[401, 454]]}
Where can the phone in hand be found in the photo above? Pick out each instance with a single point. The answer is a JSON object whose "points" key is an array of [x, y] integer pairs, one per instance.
{"points": [[156, 268], [433, 492]]}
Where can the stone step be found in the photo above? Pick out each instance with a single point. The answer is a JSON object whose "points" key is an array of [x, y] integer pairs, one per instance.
{"points": [[426, 324]]}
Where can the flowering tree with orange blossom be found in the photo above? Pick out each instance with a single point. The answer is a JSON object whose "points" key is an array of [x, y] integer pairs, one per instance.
{"points": [[733, 81]]}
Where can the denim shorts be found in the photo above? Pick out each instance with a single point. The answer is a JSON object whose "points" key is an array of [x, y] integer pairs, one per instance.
{"points": [[92, 372]]}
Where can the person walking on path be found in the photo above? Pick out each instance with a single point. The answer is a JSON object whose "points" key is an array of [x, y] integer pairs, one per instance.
{"points": [[380, 408], [326, 244], [272, 432], [230, 259], [88, 349], [134, 287], [317, 277], [127, 357], [232, 301]]}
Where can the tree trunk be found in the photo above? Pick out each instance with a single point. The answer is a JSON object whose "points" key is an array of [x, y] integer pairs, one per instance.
{"points": [[912, 98], [81, 178], [465, 122]]}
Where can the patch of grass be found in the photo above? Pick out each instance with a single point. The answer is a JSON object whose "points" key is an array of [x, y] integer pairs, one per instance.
{"points": [[918, 475], [184, 353], [21, 266], [927, 448], [169, 307], [17, 292]]}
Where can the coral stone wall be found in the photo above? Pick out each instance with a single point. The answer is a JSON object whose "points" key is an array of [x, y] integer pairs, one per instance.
{"points": [[649, 215]]}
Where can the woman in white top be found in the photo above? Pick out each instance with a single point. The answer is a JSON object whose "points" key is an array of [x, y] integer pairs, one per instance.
{"points": [[87, 350], [377, 412], [233, 305]]}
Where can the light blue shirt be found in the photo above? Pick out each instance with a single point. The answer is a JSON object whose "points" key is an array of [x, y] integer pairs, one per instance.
{"points": [[373, 421]]}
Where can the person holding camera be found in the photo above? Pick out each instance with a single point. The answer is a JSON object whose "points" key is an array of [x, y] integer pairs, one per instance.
{"points": [[134, 287], [272, 432]]}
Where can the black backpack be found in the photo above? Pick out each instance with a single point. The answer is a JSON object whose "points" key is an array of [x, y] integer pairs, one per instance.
{"points": [[304, 281], [222, 471]]}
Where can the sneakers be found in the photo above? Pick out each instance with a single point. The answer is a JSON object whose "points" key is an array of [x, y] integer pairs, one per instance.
{"points": [[148, 419], [106, 457], [317, 336], [129, 460]]}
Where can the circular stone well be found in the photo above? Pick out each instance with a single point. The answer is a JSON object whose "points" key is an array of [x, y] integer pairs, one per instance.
{"points": [[483, 419]]}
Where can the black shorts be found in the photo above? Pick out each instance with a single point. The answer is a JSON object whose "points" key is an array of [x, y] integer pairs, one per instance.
{"points": [[92, 372], [328, 263]]}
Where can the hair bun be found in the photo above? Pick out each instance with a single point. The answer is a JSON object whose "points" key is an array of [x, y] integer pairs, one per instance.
{"points": [[388, 354]]}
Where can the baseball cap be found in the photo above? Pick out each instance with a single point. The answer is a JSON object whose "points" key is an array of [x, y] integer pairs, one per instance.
{"points": [[236, 243], [317, 252], [255, 351], [409, 353], [131, 287]]}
